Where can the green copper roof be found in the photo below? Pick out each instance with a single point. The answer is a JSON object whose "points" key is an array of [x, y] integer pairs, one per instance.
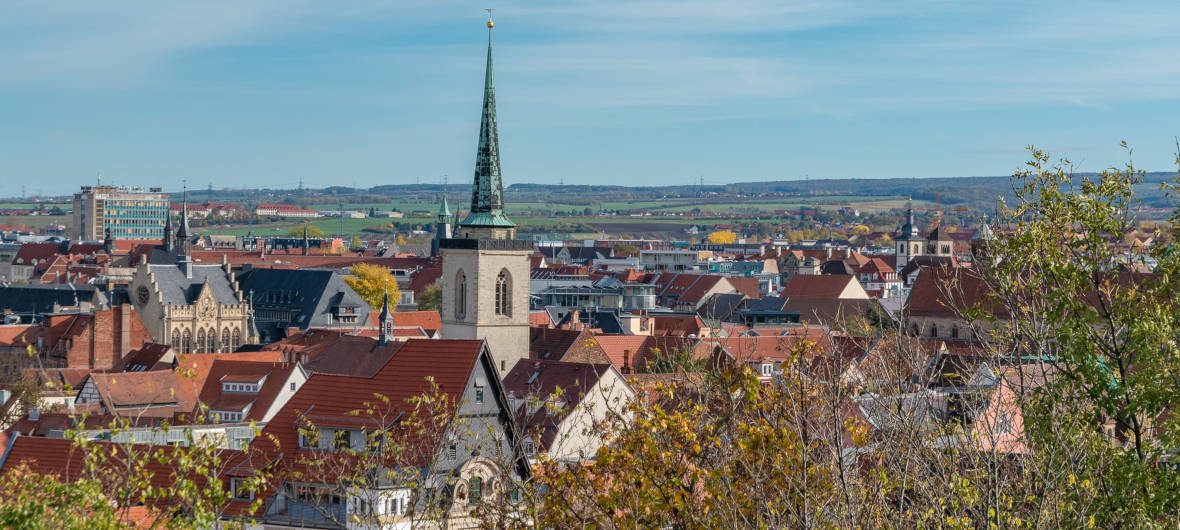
{"points": [[444, 210], [487, 195]]}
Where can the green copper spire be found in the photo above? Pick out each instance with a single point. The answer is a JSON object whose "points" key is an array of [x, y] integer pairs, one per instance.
{"points": [[487, 195], [444, 210]]}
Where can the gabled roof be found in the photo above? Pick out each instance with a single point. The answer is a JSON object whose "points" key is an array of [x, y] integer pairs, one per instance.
{"points": [[156, 395], [30, 253], [818, 285], [747, 286], [721, 306], [273, 376], [548, 343], [330, 399], [545, 380], [939, 291]]}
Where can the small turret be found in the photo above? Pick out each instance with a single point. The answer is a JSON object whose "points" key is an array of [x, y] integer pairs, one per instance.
{"points": [[385, 321]]}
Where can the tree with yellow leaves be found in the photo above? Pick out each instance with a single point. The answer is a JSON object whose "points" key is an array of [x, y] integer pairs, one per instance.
{"points": [[722, 237], [371, 281]]}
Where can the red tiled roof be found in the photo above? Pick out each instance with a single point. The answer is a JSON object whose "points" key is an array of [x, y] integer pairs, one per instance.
{"points": [[540, 319], [336, 352], [410, 319], [60, 458], [776, 348], [276, 375], [328, 399], [31, 252], [676, 325], [549, 343], [544, 380], [817, 285], [159, 394], [195, 366], [746, 286]]}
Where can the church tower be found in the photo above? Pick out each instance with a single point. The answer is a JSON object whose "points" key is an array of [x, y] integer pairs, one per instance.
{"points": [[485, 268], [909, 243], [442, 227]]}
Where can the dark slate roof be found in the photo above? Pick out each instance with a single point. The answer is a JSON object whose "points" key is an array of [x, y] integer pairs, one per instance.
{"points": [[39, 299], [176, 289], [835, 267], [310, 292], [769, 303], [720, 306]]}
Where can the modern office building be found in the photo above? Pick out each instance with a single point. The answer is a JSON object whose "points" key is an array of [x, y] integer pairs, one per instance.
{"points": [[129, 213]]}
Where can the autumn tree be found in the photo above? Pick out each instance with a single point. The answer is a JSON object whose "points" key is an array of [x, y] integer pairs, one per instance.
{"points": [[722, 237], [372, 282], [312, 231]]}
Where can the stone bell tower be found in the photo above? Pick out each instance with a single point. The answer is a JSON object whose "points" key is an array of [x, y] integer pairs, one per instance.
{"points": [[485, 268]]}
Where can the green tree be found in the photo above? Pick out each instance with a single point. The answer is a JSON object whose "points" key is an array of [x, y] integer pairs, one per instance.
{"points": [[372, 282], [312, 231], [431, 299]]}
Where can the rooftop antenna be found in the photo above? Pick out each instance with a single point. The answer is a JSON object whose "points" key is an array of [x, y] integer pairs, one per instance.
{"points": [[99, 178]]}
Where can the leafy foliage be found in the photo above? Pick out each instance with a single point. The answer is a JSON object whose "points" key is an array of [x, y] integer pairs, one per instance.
{"points": [[371, 282]]}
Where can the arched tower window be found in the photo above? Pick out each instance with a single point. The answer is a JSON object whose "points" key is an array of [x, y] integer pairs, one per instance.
{"points": [[460, 295], [187, 344], [237, 341], [175, 339], [504, 294], [225, 341], [201, 341]]}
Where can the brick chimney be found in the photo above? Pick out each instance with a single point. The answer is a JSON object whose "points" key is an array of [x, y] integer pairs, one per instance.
{"points": [[626, 361]]}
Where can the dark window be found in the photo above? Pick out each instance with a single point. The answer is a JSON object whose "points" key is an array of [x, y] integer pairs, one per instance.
{"points": [[479, 395], [504, 294]]}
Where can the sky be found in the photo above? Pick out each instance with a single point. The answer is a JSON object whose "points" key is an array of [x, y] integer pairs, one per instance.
{"points": [[266, 93]]}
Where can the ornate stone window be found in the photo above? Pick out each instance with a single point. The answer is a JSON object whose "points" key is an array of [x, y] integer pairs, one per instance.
{"points": [[201, 344], [187, 344], [175, 339], [504, 294], [237, 341], [460, 295], [224, 347]]}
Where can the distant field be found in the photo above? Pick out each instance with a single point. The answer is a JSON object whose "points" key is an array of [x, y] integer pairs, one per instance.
{"points": [[36, 221]]}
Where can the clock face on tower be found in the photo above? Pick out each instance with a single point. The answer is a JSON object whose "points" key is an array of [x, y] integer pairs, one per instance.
{"points": [[142, 295]]}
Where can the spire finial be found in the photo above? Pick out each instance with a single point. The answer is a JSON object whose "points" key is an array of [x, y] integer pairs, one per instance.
{"points": [[490, 24]]}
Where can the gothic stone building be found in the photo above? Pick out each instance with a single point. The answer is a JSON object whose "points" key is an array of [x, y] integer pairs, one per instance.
{"points": [[193, 308]]}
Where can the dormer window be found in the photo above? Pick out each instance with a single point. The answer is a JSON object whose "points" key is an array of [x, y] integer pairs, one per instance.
{"points": [[248, 388]]}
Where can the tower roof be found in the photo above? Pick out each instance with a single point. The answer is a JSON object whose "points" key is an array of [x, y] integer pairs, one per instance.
{"points": [[444, 210], [487, 195], [182, 232], [909, 230]]}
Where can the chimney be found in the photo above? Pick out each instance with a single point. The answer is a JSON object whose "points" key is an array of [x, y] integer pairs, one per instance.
{"points": [[626, 361], [829, 252], [124, 330], [847, 252], [34, 414]]}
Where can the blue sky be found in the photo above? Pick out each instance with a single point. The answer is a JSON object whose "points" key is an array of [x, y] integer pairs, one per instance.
{"points": [[248, 93]]}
